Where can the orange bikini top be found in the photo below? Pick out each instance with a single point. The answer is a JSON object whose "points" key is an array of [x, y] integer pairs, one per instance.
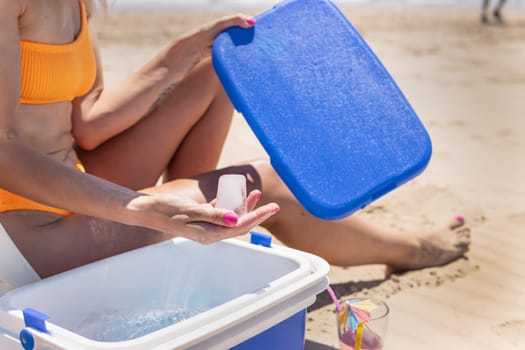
{"points": [[56, 72]]}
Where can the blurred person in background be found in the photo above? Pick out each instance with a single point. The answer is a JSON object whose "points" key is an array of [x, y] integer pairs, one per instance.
{"points": [[496, 13]]}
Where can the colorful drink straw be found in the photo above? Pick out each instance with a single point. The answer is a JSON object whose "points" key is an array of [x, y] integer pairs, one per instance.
{"points": [[354, 314]]}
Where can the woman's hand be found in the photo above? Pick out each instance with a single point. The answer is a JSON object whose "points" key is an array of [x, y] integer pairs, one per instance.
{"points": [[202, 38], [203, 223], [194, 46]]}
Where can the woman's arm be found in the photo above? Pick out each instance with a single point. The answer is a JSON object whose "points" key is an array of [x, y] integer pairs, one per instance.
{"points": [[105, 112], [43, 179], [33, 174], [27, 171]]}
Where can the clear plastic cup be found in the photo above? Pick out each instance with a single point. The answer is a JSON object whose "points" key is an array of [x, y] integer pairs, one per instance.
{"points": [[374, 331]]}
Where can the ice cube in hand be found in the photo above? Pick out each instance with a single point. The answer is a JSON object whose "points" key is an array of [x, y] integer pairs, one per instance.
{"points": [[231, 193]]}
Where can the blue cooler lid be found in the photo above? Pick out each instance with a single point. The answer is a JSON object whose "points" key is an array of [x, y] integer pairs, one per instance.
{"points": [[335, 125]]}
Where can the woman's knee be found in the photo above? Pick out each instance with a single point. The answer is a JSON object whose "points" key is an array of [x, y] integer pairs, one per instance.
{"points": [[219, 92], [269, 182], [205, 72], [202, 88]]}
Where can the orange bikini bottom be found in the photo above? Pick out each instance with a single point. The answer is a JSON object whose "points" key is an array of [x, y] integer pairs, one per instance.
{"points": [[10, 201]]}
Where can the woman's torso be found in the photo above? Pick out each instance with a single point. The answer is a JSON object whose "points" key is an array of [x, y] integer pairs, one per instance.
{"points": [[47, 127]]}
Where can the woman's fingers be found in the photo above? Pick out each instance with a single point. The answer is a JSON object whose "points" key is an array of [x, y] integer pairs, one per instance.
{"points": [[206, 213], [203, 223], [223, 217], [252, 199], [257, 216], [201, 40], [238, 20], [207, 232]]}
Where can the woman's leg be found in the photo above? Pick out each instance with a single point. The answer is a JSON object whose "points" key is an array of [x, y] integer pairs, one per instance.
{"points": [[182, 136], [347, 242], [53, 244]]}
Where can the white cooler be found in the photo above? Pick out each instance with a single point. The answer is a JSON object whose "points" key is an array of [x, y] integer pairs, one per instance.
{"points": [[172, 295]]}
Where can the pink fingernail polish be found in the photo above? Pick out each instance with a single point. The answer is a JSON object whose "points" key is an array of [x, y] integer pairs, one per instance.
{"points": [[276, 210], [460, 218], [250, 21], [230, 219], [258, 196]]}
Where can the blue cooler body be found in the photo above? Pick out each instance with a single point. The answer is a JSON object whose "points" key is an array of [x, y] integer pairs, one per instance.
{"points": [[258, 304], [288, 334]]}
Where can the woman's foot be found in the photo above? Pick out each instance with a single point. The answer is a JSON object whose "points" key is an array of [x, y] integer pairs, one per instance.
{"points": [[436, 248]]}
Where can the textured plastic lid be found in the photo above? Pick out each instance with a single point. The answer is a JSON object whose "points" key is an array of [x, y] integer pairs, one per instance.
{"points": [[335, 125]]}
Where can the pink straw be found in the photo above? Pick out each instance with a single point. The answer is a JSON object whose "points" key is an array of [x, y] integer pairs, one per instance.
{"points": [[334, 298]]}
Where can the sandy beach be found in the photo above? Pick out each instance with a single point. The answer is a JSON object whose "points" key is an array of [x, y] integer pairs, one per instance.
{"points": [[467, 84]]}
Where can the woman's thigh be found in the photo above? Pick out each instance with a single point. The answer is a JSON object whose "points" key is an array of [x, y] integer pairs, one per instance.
{"points": [[53, 244], [138, 156]]}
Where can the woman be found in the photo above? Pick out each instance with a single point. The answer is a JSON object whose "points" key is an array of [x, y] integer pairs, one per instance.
{"points": [[97, 152]]}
